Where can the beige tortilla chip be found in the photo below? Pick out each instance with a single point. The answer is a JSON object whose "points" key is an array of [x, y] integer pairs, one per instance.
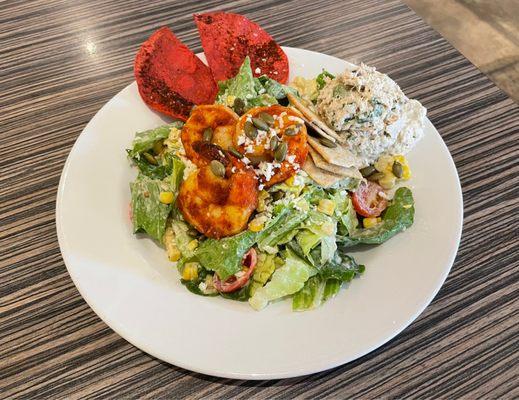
{"points": [[320, 176], [339, 155], [321, 163]]}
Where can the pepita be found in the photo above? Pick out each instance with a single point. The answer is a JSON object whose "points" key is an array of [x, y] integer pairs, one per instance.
{"points": [[292, 130], [217, 168], [235, 152], [208, 134], [376, 176], [274, 141], [260, 124], [328, 143], [281, 152], [367, 171], [239, 106], [269, 119], [250, 131], [398, 169]]}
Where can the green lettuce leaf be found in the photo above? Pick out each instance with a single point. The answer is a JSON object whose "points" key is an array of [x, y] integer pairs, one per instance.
{"points": [[177, 173], [182, 237], [317, 229], [346, 214], [264, 270], [397, 217], [286, 280], [148, 213], [224, 256], [281, 229], [315, 292], [145, 140]]}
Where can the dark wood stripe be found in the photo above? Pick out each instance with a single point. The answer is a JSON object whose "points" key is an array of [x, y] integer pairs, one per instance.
{"points": [[53, 346]]}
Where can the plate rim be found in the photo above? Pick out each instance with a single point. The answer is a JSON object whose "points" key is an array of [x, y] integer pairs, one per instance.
{"points": [[303, 371]]}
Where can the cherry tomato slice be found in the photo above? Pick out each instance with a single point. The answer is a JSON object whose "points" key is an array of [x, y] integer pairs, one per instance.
{"points": [[367, 201], [234, 283]]}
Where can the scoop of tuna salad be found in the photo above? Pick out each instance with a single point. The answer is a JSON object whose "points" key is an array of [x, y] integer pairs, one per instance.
{"points": [[371, 113]]}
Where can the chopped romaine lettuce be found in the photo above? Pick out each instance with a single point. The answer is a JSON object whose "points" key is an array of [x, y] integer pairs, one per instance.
{"points": [[148, 213], [224, 256], [286, 280], [177, 173], [345, 213], [281, 229], [315, 292], [145, 140], [318, 228], [265, 268], [182, 237], [397, 217], [254, 92]]}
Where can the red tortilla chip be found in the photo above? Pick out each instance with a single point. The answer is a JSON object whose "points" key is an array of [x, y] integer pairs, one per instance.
{"points": [[171, 79], [228, 38]]}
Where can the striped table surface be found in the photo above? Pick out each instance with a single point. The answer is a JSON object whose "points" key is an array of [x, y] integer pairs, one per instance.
{"points": [[61, 61]]}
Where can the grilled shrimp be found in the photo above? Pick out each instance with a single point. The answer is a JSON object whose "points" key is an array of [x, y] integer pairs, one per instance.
{"points": [[274, 140], [208, 132], [218, 198]]}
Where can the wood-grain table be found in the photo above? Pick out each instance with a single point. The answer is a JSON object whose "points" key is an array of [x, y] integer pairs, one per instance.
{"points": [[60, 61]]}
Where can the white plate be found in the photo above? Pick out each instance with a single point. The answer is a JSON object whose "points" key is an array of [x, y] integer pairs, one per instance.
{"points": [[129, 283]]}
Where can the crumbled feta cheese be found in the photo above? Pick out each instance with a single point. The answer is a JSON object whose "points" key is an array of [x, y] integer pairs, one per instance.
{"points": [[245, 160], [249, 148], [241, 140], [261, 186], [295, 119], [291, 158], [257, 70]]}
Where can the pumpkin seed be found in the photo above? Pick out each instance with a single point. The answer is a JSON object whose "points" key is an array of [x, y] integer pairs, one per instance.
{"points": [[328, 143], [208, 134], [150, 158], [217, 168], [239, 106], [397, 169], [367, 171], [281, 152], [269, 119], [274, 141], [158, 147], [376, 176], [292, 131], [250, 130], [235, 152], [260, 124]]}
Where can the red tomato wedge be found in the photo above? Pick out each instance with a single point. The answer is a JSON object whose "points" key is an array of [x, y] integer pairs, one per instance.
{"points": [[234, 283], [171, 79], [367, 201], [228, 38]]}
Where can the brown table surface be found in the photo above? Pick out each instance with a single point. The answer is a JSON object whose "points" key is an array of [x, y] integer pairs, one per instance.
{"points": [[53, 345]]}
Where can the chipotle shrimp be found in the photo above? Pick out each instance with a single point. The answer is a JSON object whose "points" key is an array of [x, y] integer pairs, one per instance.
{"points": [[274, 140], [208, 133], [219, 198]]}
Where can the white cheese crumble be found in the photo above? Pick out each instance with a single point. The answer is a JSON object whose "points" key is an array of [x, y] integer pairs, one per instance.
{"points": [[257, 70]]}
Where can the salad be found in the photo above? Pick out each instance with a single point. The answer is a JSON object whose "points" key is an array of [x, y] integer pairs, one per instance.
{"points": [[258, 188]]}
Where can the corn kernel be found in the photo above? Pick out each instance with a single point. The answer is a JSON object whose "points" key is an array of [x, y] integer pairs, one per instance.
{"points": [[174, 253], [166, 197], [326, 206], [256, 225], [290, 181], [370, 222], [405, 167], [388, 181], [193, 244], [262, 197], [384, 163], [230, 100], [328, 228], [190, 271]]}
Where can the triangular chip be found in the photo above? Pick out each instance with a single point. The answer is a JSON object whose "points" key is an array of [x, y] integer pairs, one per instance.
{"points": [[320, 176], [335, 155], [321, 163], [170, 78], [228, 38]]}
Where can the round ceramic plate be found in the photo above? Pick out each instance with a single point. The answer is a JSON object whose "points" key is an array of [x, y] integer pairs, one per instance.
{"points": [[130, 284]]}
